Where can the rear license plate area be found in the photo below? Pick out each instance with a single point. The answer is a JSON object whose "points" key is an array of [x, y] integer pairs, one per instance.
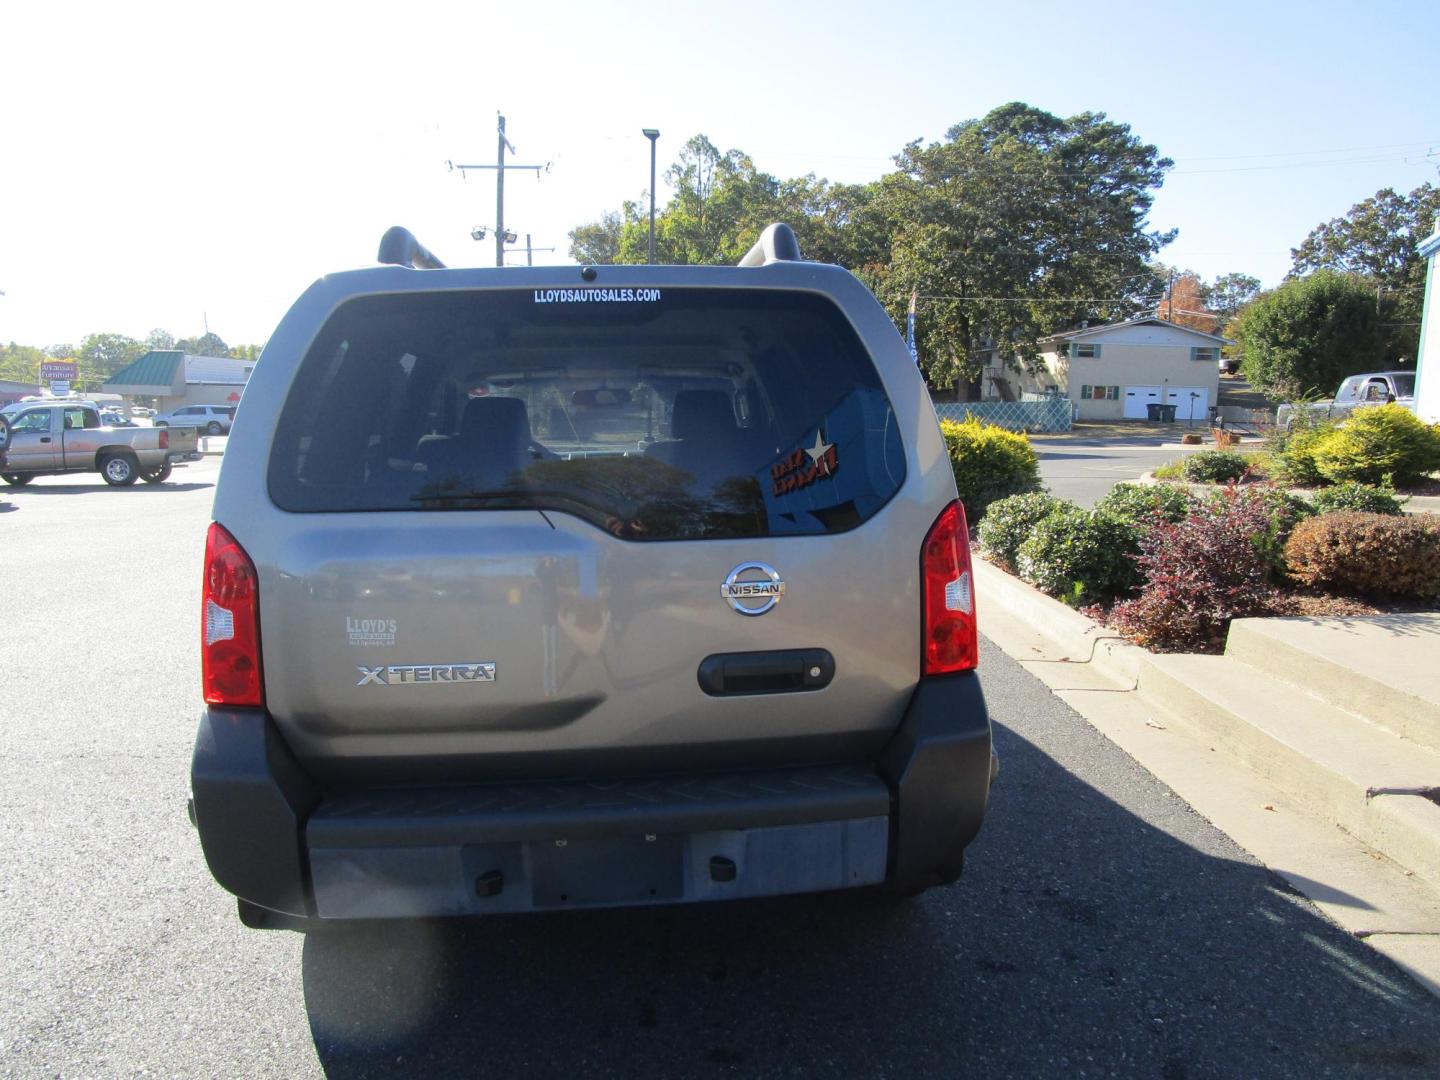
{"points": [[606, 870]]}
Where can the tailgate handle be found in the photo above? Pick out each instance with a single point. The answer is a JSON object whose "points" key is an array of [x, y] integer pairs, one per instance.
{"points": [[783, 671]]}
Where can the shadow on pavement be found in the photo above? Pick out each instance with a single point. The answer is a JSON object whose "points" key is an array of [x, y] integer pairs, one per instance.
{"points": [[81, 489], [1081, 940]]}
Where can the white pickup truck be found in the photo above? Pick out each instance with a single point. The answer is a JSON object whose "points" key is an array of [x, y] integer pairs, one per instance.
{"points": [[50, 439], [1369, 388]]}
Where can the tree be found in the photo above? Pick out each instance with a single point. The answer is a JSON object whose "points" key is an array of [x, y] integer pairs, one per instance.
{"points": [[102, 355], [1229, 293], [207, 344], [21, 363], [598, 243], [1377, 238], [1306, 336], [1017, 225], [160, 339], [1186, 304]]}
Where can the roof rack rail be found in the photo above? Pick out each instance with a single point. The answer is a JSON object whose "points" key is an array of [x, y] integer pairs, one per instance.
{"points": [[398, 247], [776, 244]]}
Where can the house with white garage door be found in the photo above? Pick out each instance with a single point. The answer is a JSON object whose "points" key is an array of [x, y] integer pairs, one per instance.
{"points": [[1116, 371]]}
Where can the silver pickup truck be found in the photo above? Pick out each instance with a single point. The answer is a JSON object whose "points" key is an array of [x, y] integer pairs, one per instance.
{"points": [[50, 439], [1369, 388]]}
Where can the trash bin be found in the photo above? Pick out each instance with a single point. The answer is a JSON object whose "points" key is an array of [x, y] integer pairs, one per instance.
{"points": [[1167, 412], [1152, 411]]}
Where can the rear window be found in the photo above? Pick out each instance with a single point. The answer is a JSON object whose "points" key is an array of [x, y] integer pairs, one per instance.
{"points": [[656, 415]]}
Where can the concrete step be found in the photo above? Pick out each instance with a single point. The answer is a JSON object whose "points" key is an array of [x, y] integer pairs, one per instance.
{"points": [[1323, 757], [1385, 668]]}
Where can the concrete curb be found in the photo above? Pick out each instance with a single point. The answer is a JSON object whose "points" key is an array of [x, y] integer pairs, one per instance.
{"points": [[1083, 640]]}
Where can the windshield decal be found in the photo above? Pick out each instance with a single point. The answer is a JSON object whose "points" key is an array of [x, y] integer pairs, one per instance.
{"points": [[803, 466]]}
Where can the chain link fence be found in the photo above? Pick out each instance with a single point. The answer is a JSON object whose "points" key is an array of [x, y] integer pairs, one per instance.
{"points": [[1035, 417]]}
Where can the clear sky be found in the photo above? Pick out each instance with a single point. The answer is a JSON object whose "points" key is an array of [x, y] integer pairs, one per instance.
{"points": [[165, 164]]}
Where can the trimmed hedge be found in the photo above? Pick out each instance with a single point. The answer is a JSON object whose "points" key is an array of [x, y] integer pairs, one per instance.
{"points": [[1010, 522], [1216, 466], [1143, 504], [990, 463], [1379, 442], [1368, 554], [1359, 499], [1081, 557]]}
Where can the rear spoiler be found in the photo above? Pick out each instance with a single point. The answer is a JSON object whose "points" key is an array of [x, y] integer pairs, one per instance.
{"points": [[398, 247], [776, 244]]}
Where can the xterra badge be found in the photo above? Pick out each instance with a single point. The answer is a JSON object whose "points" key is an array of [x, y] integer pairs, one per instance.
{"points": [[407, 674]]}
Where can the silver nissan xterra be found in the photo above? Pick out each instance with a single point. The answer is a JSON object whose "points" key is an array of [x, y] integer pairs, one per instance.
{"points": [[534, 589]]}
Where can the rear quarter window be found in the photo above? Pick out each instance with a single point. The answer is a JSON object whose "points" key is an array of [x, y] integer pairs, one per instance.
{"points": [[686, 414]]}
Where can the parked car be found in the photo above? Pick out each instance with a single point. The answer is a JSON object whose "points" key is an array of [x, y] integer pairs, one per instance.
{"points": [[718, 641], [1369, 388], [116, 419], [1229, 365], [48, 440], [210, 419]]}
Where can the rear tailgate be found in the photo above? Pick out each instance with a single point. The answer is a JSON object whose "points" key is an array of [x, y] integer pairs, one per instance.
{"points": [[506, 530]]}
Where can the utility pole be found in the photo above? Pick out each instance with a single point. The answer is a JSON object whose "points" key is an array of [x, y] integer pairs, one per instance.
{"points": [[1170, 299], [528, 251], [500, 166]]}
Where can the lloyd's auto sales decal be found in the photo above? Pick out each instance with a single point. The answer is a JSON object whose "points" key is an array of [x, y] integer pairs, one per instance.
{"points": [[802, 467], [596, 296]]}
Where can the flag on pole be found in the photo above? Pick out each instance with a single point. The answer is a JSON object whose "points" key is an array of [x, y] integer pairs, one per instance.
{"points": [[910, 329]]}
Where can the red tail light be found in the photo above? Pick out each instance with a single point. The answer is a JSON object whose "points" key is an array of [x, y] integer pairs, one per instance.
{"points": [[948, 600], [164, 438], [230, 624]]}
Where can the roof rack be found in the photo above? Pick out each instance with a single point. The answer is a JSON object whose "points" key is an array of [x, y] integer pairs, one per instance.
{"points": [[398, 247], [776, 244]]}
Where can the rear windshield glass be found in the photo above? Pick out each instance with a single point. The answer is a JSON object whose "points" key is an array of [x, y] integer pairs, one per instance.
{"points": [[656, 414]]}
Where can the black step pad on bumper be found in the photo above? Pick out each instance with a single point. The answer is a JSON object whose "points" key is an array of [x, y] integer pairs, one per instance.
{"points": [[418, 818]]}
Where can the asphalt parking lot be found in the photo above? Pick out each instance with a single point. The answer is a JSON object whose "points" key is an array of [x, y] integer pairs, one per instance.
{"points": [[1102, 928]]}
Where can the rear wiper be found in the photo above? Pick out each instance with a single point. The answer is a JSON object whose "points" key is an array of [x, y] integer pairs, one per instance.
{"points": [[469, 496]]}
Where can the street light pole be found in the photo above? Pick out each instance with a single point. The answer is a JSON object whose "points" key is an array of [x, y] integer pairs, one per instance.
{"points": [[652, 134], [500, 166]]}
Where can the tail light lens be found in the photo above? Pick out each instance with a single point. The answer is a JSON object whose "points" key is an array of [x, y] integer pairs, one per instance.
{"points": [[948, 601], [164, 438], [230, 624]]}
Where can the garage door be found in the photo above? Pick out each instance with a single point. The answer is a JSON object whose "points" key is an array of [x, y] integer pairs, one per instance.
{"points": [[1137, 397], [1191, 402]]}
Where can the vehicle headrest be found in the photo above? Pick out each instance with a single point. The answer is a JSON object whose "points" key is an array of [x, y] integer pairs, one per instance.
{"points": [[498, 419], [702, 414]]}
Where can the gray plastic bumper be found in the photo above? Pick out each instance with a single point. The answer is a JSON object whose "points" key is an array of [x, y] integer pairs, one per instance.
{"points": [[271, 839]]}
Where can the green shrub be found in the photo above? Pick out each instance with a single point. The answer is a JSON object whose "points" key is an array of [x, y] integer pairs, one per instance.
{"points": [[1199, 574], [989, 463], [1359, 499], [1376, 441], [1293, 456], [1142, 504], [1215, 466], [1081, 557], [1368, 554], [1010, 521]]}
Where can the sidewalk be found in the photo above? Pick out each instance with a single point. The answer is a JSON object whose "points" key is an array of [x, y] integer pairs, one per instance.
{"points": [[1311, 743]]}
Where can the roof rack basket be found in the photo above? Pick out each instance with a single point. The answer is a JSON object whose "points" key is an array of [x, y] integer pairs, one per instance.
{"points": [[398, 247], [776, 244]]}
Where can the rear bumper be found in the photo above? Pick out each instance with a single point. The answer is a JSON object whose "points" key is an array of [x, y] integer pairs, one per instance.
{"points": [[188, 455], [273, 838]]}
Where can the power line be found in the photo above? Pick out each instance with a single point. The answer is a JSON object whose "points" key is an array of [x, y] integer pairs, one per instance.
{"points": [[1051, 299]]}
